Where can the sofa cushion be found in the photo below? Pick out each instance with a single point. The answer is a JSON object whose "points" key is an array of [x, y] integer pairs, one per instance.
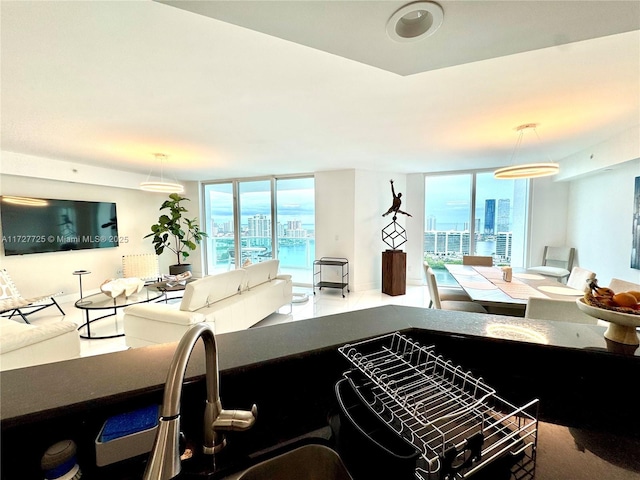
{"points": [[211, 289], [259, 273], [8, 326], [21, 335], [163, 313]]}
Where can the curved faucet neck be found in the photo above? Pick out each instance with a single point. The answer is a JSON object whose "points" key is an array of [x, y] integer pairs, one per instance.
{"points": [[164, 460], [177, 369]]}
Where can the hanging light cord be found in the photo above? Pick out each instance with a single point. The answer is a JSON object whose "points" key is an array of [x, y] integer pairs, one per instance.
{"points": [[162, 185], [535, 130], [516, 146]]}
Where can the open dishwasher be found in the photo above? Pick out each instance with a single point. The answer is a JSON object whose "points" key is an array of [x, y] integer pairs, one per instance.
{"points": [[456, 424]]}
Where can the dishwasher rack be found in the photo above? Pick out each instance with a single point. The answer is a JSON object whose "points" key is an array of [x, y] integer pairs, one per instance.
{"points": [[456, 422]]}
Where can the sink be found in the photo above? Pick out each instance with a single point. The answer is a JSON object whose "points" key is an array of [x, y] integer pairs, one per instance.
{"points": [[309, 462]]}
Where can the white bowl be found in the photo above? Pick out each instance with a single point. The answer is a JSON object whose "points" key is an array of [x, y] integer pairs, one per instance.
{"points": [[625, 319], [122, 286], [622, 326]]}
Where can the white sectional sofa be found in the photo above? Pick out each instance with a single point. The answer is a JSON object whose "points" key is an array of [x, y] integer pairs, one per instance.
{"points": [[24, 345], [234, 300]]}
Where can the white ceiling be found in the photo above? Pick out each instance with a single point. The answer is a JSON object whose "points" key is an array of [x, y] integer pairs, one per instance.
{"points": [[111, 82]]}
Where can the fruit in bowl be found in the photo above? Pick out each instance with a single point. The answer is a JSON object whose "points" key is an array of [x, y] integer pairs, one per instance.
{"points": [[603, 297]]}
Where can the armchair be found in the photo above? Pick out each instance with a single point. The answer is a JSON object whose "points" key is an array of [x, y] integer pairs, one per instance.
{"points": [[557, 262], [143, 266]]}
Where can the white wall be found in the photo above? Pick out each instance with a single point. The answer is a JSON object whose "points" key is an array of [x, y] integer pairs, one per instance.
{"points": [[590, 212], [548, 213], [349, 222], [43, 273], [415, 229], [373, 198], [335, 219], [599, 221]]}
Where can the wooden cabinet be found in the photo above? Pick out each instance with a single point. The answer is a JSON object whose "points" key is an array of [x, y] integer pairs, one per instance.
{"points": [[394, 272]]}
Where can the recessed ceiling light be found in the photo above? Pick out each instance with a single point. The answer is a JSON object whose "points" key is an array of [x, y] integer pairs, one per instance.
{"points": [[415, 21]]}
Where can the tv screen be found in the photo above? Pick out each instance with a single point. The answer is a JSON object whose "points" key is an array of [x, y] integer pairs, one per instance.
{"points": [[38, 225]]}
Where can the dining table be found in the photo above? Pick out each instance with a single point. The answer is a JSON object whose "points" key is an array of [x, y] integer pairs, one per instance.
{"points": [[488, 287]]}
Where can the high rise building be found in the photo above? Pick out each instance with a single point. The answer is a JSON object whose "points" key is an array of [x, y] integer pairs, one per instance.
{"points": [[447, 243], [259, 226], [489, 216], [294, 224], [430, 223], [503, 216], [503, 245]]}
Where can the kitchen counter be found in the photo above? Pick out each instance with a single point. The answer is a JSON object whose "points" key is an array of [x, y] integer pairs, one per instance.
{"points": [[289, 370]]}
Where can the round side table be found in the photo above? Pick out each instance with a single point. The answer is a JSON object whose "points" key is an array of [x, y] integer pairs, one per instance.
{"points": [[80, 273]]}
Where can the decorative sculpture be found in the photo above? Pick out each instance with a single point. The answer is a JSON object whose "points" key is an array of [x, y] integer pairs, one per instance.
{"points": [[122, 286], [395, 208], [393, 234]]}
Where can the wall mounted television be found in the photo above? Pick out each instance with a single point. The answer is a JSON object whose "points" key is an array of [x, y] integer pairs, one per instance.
{"points": [[40, 225]]}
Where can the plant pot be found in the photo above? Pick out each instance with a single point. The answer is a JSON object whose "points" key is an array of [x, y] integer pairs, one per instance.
{"points": [[178, 269]]}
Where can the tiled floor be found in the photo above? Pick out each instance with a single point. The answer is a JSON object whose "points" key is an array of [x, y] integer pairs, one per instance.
{"points": [[324, 302]]}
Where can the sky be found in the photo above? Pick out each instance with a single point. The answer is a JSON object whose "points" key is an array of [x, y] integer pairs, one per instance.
{"points": [[448, 197], [295, 200]]}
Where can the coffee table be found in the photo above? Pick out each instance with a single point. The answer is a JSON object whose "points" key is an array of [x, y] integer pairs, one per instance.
{"points": [[101, 302]]}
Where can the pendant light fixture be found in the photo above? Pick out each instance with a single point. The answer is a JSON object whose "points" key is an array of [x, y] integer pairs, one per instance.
{"points": [[161, 186], [526, 170]]}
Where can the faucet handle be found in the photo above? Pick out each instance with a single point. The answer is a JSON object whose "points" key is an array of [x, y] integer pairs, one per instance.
{"points": [[236, 419]]}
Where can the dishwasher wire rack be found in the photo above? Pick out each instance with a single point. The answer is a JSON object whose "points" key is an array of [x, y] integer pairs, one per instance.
{"points": [[455, 421]]}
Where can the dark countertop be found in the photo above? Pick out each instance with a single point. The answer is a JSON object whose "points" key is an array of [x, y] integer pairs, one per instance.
{"points": [[73, 383], [567, 365]]}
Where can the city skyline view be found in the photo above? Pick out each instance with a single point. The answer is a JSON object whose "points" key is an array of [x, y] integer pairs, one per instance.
{"points": [[447, 209], [448, 198], [295, 202]]}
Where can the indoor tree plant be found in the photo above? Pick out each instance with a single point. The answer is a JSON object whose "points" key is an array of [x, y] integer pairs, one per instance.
{"points": [[176, 233]]}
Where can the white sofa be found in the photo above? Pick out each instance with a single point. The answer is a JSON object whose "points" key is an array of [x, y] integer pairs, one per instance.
{"points": [[24, 345], [234, 300]]}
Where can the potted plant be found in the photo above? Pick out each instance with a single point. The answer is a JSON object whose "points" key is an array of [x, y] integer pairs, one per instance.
{"points": [[176, 233]]}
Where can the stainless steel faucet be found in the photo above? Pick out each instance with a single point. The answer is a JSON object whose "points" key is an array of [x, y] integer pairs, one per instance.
{"points": [[164, 459]]}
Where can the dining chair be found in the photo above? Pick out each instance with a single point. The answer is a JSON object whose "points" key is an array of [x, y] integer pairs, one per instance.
{"points": [[457, 305], [619, 286], [453, 294], [480, 260], [557, 262], [579, 277], [559, 310]]}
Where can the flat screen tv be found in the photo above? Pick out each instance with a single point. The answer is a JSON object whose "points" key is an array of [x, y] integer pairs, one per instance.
{"points": [[39, 225]]}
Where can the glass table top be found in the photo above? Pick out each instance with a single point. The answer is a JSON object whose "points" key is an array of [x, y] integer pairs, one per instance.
{"points": [[100, 301]]}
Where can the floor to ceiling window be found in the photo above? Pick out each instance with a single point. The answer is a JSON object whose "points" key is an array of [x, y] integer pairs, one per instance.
{"points": [[220, 226], [241, 228], [474, 214], [254, 200], [295, 200]]}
